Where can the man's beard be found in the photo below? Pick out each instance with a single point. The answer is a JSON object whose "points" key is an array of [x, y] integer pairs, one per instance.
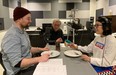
{"points": [[25, 27]]}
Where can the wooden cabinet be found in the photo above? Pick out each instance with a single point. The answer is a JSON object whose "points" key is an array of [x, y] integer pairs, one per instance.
{"points": [[113, 20]]}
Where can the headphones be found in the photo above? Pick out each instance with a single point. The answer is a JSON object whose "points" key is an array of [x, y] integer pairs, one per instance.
{"points": [[106, 23]]}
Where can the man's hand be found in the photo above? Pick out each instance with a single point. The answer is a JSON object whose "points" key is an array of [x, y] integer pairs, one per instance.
{"points": [[44, 58], [44, 49], [59, 40]]}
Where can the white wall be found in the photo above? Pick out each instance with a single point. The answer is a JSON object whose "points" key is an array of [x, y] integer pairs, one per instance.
{"points": [[24, 3], [40, 21], [36, 6], [11, 12], [112, 10], [39, 6], [93, 9], [79, 14], [1, 9], [106, 7], [4, 13], [103, 4]]}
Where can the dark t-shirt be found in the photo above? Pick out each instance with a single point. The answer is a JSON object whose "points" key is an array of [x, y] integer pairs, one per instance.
{"points": [[54, 35]]}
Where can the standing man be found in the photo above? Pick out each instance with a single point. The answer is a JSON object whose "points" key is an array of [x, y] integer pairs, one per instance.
{"points": [[56, 34], [16, 49]]}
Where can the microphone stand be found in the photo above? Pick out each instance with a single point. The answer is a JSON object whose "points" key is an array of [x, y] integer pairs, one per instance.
{"points": [[73, 35]]}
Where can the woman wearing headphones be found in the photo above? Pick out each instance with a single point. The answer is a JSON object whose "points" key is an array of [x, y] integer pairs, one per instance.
{"points": [[103, 48]]}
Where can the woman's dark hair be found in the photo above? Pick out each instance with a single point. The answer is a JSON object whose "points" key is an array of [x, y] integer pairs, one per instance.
{"points": [[106, 23]]}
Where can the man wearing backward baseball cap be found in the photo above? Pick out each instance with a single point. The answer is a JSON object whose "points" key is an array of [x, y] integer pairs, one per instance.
{"points": [[16, 49]]}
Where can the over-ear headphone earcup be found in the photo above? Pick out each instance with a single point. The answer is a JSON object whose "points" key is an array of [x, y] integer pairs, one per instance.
{"points": [[106, 25]]}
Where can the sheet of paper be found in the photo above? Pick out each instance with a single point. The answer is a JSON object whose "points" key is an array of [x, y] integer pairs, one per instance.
{"points": [[62, 45], [51, 70], [52, 62], [51, 67]]}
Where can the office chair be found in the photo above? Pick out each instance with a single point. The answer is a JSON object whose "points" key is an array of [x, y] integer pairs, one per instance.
{"points": [[90, 30]]}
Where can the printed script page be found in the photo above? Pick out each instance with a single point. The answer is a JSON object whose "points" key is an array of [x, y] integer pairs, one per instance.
{"points": [[51, 67]]}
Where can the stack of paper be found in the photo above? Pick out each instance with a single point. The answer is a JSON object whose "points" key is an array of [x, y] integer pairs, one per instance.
{"points": [[51, 67]]}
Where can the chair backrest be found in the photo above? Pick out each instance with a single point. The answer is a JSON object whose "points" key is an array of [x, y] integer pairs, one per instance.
{"points": [[45, 26], [47, 32], [41, 41], [90, 29], [2, 66], [1, 70], [0, 58], [89, 26]]}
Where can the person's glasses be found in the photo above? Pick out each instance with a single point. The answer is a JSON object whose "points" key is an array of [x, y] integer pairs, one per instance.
{"points": [[96, 25]]}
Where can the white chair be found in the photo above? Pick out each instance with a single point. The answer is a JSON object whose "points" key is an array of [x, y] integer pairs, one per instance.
{"points": [[1, 70], [2, 33]]}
